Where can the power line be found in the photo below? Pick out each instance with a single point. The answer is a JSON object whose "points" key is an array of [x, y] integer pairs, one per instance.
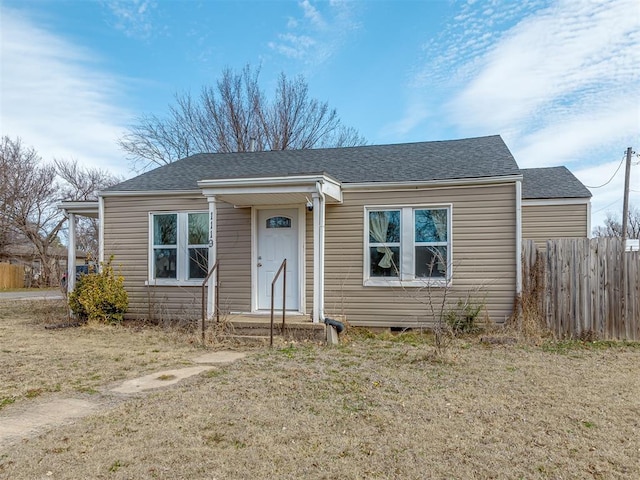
{"points": [[605, 207], [612, 176]]}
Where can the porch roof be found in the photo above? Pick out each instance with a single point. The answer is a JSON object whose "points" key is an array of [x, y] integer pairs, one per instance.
{"points": [[288, 190], [88, 208]]}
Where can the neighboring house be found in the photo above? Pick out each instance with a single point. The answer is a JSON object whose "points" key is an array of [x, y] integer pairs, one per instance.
{"points": [[375, 233], [27, 256], [555, 204]]}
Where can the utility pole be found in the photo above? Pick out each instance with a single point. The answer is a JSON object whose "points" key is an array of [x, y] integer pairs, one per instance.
{"points": [[625, 205], [625, 214]]}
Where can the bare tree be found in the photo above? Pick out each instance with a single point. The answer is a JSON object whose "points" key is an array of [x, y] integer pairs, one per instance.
{"points": [[234, 116], [295, 121], [83, 184], [229, 113], [29, 194], [613, 226], [27, 202]]}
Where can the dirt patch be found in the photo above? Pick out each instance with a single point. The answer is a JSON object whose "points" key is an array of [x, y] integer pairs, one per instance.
{"points": [[368, 409], [50, 413], [44, 415], [79, 360]]}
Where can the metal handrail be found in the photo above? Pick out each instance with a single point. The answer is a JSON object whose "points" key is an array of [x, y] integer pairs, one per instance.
{"points": [[283, 270], [216, 300]]}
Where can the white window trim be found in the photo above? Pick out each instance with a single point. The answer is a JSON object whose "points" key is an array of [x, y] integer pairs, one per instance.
{"points": [[407, 244], [182, 248]]}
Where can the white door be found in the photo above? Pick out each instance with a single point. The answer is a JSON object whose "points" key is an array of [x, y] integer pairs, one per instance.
{"points": [[277, 240]]}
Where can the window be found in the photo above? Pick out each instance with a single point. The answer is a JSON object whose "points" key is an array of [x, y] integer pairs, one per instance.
{"points": [[407, 245], [279, 222], [180, 246]]}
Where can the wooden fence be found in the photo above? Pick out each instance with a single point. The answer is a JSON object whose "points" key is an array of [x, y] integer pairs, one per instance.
{"points": [[584, 288], [11, 276]]}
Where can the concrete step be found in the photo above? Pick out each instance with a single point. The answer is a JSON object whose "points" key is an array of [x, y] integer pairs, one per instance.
{"points": [[296, 328]]}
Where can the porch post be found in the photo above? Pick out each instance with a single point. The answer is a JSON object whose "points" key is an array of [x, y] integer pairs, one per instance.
{"points": [[71, 253], [318, 257], [213, 252]]}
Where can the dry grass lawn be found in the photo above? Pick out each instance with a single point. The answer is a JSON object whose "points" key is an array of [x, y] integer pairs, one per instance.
{"points": [[370, 408]]}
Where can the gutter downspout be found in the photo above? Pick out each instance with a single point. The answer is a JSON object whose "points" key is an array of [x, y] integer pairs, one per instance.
{"points": [[589, 219], [318, 253], [213, 244], [100, 230], [518, 238], [71, 252]]}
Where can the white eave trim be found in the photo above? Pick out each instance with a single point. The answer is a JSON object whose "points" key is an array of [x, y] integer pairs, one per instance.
{"points": [[555, 201], [150, 193], [415, 185]]}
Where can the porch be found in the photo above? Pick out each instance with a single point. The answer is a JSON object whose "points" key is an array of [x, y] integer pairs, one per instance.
{"points": [[248, 328], [278, 231]]}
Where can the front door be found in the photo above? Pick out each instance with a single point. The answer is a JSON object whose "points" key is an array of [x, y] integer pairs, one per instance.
{"points": [[277, 240]]}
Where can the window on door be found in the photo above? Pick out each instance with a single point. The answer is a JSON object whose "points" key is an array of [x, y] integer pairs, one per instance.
{"points": [[278, 222]]}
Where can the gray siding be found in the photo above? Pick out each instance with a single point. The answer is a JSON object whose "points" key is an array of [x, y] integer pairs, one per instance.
{"points": [[543, 222], [483, 248], [234, 253], [126, 237], [484, 253]]}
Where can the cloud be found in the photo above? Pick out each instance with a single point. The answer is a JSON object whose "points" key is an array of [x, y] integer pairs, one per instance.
{"points": [[568, 58], [132, 17], [312, 14], [558, 79], [567, 138], [55, 97], [293, 46], [317, 33], [561, 85], [415, 114]]}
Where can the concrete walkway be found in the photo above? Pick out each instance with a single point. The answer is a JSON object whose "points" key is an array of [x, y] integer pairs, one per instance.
{"points": [[171, 377], [19, 422]]}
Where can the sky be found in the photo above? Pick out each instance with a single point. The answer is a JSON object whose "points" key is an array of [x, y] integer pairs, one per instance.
{"points": [[559, 80]]}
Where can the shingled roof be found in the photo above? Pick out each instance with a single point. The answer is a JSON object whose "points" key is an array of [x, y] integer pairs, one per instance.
{"points": [[408, 162], [551, 182]]}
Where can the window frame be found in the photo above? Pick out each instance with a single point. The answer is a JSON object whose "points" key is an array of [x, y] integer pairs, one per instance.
{"points": [[182, 248], [406, 261]]}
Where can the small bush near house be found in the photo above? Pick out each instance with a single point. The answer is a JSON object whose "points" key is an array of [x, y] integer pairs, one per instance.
{"points": [[100, 296], [464, 317]]}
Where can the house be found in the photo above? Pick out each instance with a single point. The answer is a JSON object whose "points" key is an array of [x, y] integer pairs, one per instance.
{"points": [[555, 204], [26, 255], [380, 234]]}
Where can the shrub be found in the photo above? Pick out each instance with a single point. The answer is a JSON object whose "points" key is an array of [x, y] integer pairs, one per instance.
{"points": [[463, 318], [100, 296]]}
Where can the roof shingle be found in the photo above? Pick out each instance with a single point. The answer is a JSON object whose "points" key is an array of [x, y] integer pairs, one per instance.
{"points": [[551, 182], [408, 162]]}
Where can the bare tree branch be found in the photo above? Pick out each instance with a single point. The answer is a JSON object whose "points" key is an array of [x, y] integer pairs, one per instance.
{"points": [[29, 195], [613, 226], [30, 191], [82, 184], [233, 114]]}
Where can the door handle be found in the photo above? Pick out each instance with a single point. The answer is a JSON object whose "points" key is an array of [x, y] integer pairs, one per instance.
{"points": [[259, 264]]}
